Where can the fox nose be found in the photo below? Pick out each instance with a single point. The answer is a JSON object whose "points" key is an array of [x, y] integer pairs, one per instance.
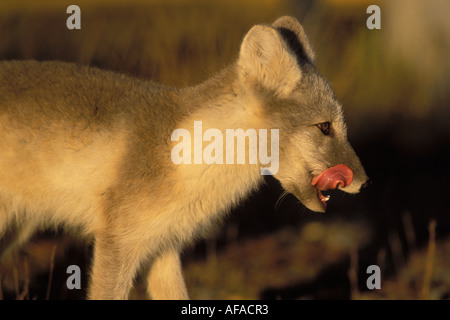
{"points": [[366, 184]]}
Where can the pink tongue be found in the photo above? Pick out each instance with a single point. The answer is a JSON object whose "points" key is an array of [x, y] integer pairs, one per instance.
{"points": [[339, 175]]}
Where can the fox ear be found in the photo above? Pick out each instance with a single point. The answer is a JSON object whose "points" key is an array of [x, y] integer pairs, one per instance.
{"points": [[264, 58], [293, 32]]}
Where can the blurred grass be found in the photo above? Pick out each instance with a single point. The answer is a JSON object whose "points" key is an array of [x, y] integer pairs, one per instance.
{"points": [[175, 42], [292, 256], [380, 72], [184, 42]]}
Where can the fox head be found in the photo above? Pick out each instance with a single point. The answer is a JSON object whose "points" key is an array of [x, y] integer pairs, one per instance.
{"points": [[276, 67]]}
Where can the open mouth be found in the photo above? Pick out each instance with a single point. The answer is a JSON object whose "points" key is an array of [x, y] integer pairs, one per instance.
{"points": [[335, 177], [323, 198]]}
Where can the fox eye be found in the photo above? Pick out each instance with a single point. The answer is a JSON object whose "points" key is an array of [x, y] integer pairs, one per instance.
{"points": [[324, 127]]}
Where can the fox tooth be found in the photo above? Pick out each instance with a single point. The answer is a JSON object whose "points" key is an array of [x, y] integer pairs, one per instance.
{"points": [[327, 198]]}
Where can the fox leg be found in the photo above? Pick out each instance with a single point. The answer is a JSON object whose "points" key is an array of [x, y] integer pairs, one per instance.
{"points": [[114, 267], [165, 278]]}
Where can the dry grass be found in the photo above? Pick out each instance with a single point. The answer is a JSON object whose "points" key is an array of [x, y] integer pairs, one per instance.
{"points": [[423, 276], [184, 42]]}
